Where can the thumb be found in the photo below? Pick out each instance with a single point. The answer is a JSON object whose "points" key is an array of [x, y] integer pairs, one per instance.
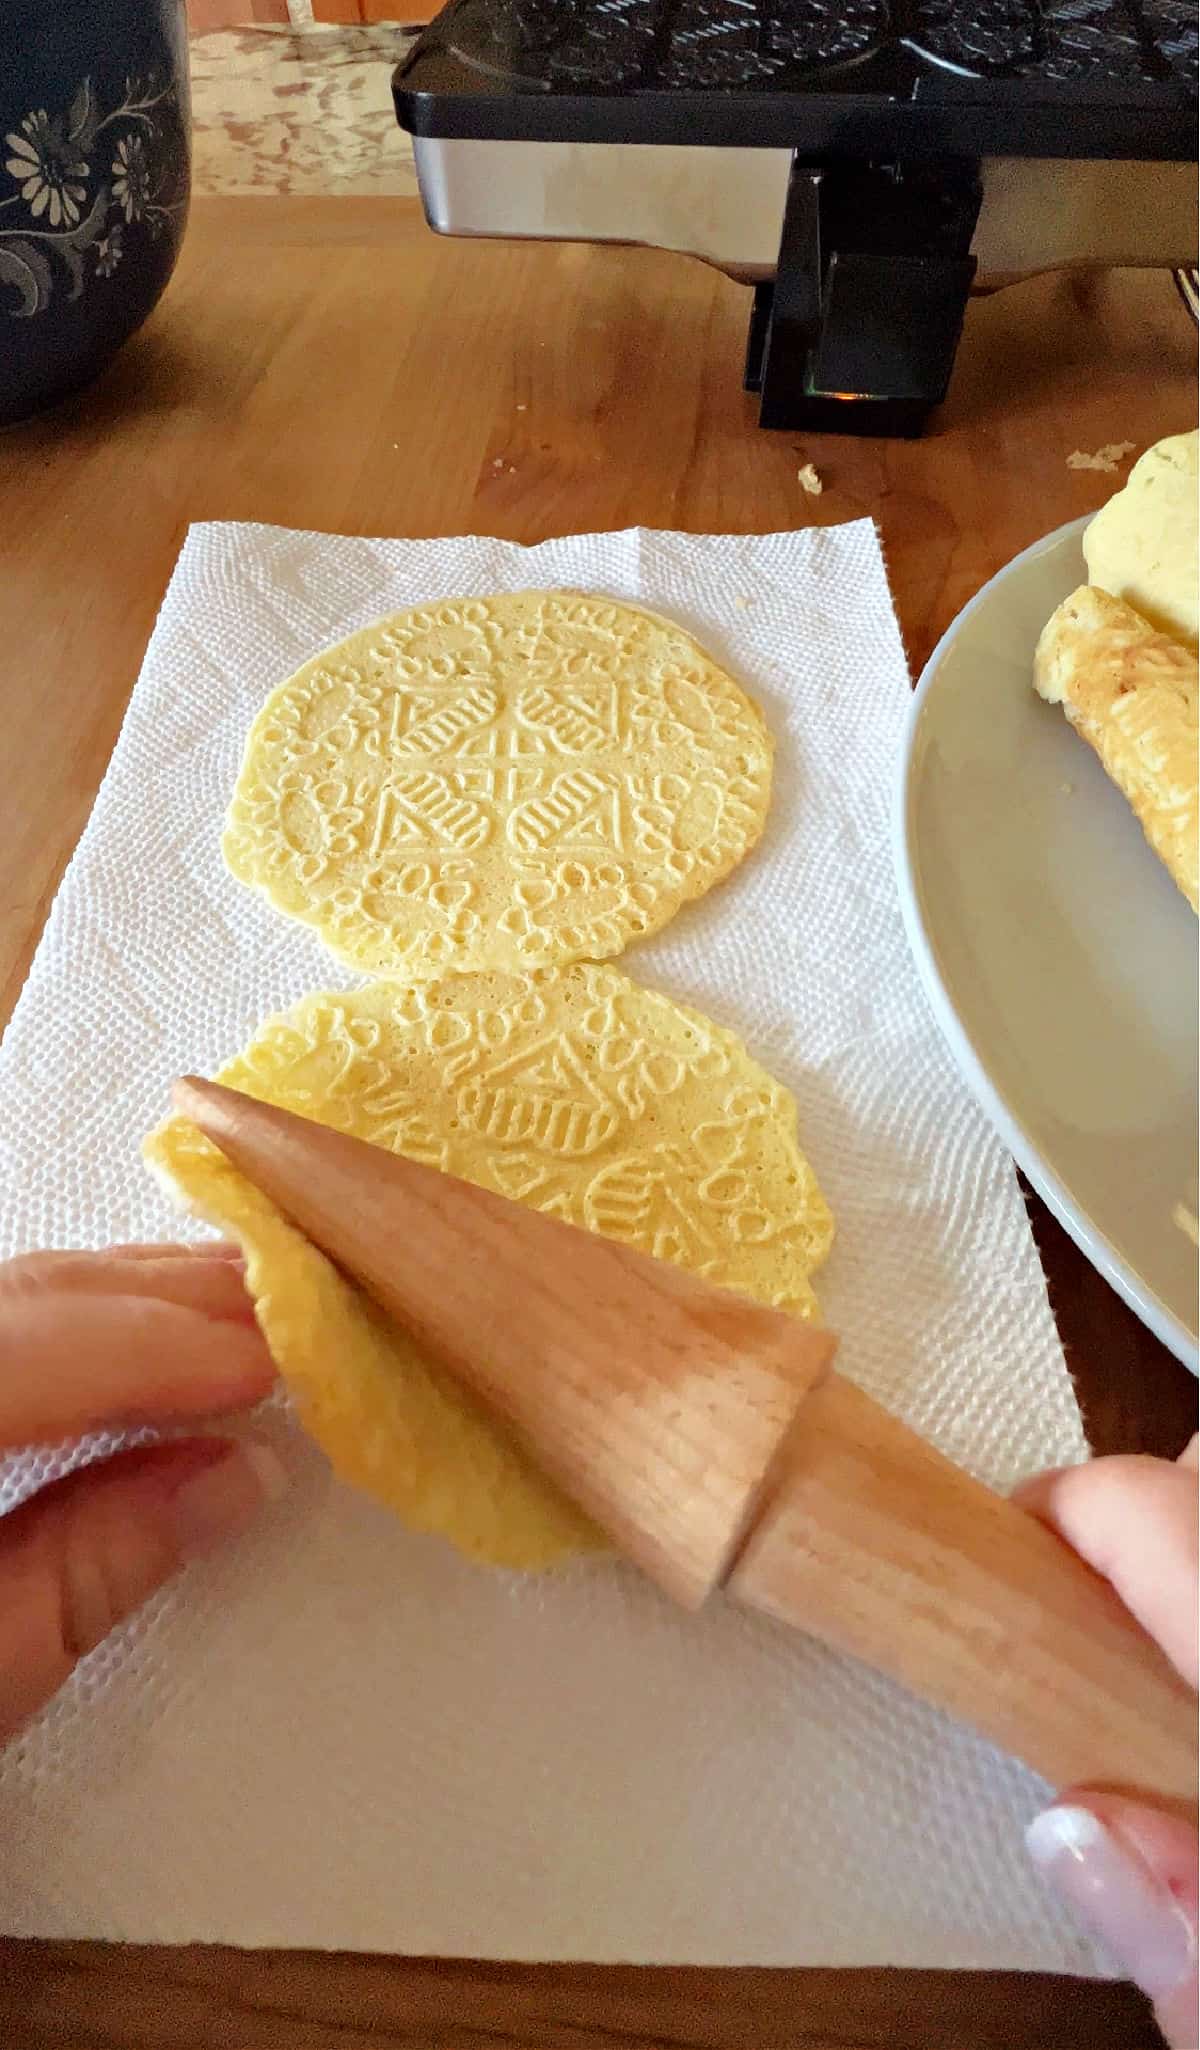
{"points": [[79, 1557], [1130, 1871]]}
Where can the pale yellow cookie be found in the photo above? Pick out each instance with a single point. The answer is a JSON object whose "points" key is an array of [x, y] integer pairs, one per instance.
{"points": [[1132, 693], [1144, 545], [508, 782], [576, 1091]]}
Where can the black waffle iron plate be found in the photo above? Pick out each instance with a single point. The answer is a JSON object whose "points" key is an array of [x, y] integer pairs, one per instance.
{"points": [[858, 162]]}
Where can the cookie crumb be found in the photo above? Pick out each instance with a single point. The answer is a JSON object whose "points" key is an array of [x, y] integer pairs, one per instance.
{"points": [[741, 604], [810, 480], [1107, 458], [1068, 789]]}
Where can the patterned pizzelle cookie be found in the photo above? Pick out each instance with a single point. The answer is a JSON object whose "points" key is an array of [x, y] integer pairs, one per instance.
{"points": [[512, 782], [576, 1091]]}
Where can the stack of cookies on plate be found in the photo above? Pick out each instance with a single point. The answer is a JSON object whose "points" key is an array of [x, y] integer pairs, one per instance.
{"points": [[1119, 655]]}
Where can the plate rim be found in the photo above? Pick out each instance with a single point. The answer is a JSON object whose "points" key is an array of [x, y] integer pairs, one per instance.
{"points": [[1001, 1114]]}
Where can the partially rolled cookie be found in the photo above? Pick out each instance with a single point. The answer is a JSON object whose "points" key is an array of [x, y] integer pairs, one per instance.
{"points": [[1131, 692]]}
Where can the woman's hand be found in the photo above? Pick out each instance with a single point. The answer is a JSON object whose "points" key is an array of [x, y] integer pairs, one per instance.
{"points": [[160, 1335], [1128, 1868]]}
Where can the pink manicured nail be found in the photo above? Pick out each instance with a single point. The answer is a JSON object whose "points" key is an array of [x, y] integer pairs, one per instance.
{"points": [[1114, 1890]]}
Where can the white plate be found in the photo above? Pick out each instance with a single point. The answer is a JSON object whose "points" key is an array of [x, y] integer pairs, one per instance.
{"points": [[1059, 956]]}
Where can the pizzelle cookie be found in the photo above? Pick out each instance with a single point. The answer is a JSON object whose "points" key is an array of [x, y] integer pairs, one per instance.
{"points": [[576, 1091], [1132, 694], [1144, 545], [513, 782]]}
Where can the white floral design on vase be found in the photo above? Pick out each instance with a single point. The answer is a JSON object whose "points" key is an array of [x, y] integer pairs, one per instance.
{"points": [[108, 251], [79, 201], [130, 177], [52, 178]]}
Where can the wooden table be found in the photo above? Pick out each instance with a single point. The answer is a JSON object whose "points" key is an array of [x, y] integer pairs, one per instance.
{"points": [[328, 364]]}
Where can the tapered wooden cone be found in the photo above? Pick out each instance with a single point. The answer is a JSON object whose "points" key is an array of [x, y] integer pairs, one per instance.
{"points": [[656, 1401], [875, 1542]]}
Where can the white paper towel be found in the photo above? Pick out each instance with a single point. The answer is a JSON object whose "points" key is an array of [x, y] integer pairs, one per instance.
{"points": [[340, 1734]]}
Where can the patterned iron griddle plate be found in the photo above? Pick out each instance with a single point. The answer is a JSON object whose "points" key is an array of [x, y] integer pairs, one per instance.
{"points": [[1061, 77]]}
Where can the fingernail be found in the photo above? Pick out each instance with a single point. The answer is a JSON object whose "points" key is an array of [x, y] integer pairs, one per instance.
{"points": [[1115, 1891], [222, 1500]]}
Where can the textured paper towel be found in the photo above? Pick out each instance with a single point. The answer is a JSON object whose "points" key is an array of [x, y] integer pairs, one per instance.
{"points": [[339, 1734]]}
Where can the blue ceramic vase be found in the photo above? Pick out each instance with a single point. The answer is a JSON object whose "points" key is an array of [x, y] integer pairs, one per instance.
{"points": [[94, 172]]}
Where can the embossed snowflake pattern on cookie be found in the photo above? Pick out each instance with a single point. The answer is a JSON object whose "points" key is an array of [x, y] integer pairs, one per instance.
{"points": [[508, 782]]}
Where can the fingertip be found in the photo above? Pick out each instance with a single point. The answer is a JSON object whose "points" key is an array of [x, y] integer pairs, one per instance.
{"points": [[1037, 1492], [85, 1552], [69, 1364], [1129, 1873], [221, 1499], [230, 1368], [1163, 1838], [1134, 1520]]}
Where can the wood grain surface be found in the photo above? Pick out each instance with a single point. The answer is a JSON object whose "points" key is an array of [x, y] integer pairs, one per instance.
{"points": [[82, 1996], [329, 364]]}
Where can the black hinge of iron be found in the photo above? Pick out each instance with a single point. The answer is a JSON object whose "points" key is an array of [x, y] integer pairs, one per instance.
{"points": [[858, 332]]}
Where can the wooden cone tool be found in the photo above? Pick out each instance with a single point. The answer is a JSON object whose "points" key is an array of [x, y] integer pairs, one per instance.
{"points": [[710, 1439]]}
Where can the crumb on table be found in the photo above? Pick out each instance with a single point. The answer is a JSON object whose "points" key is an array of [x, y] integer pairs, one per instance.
{"points": [[1107, 458]]}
